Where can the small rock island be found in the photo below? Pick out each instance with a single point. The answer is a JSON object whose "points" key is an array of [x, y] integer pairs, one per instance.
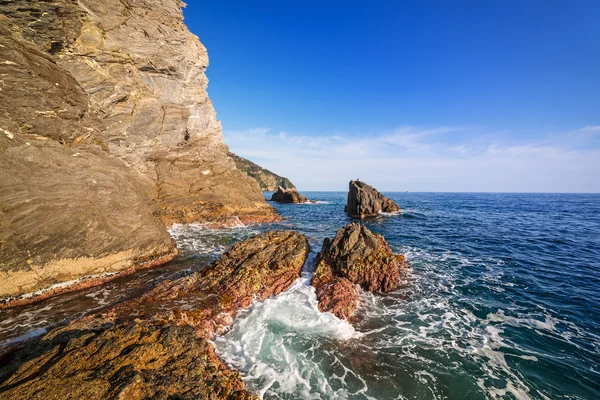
{"points": [[291, 195], [355, 258], [365, 201]]}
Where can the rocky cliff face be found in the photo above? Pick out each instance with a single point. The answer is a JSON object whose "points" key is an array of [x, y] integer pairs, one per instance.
{"points": [[268, 181], [106, 128]]}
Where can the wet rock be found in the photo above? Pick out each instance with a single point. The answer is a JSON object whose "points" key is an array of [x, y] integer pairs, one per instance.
{"points": [[366, 201], [131, 360], [156, 346], [356, 257], [283, 195], [253, 270]]}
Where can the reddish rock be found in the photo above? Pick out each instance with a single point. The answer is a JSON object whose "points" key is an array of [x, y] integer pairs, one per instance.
{"points": [[365, 201], [356, 257], [130, 360]]}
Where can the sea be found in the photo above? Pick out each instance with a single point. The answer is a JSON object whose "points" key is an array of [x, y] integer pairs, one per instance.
{"points": [[501, 301]]}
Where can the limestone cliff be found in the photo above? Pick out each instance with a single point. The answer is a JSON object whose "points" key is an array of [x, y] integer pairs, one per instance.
{"points": [[106, 129], [268, 181]]}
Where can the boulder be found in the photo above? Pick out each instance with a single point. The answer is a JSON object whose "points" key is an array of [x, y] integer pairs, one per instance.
{"points": [[365, 201], [356, 257], [288, 196], [157, 345]]}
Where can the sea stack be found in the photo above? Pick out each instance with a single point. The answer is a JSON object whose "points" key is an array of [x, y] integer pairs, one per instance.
{"points": [[365, 201], [356, 257], [291, 195]]}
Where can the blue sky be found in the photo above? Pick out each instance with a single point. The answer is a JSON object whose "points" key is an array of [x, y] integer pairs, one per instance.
{"points": [[419, 96]]}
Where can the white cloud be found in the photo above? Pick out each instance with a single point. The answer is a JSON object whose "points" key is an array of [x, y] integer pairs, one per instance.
{"points": [[414, 159]]}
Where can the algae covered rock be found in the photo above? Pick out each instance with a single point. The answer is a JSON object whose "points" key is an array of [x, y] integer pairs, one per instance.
{"points": [[283, 195], [365, 201], [356, 257]]}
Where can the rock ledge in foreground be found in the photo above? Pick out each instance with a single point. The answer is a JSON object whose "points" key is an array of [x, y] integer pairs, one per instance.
{"points": [[156, 346], [365, 201], [355, 257]]}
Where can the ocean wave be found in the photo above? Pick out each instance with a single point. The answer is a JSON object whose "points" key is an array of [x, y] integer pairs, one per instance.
{"points": [[276, 345]]}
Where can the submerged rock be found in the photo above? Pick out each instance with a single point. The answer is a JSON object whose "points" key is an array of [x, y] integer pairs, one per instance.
{"points": [[156, 346], [366, 201], [288, 196], [356, 257]]}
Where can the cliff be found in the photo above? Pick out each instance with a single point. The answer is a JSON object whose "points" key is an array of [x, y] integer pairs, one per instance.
{"points": [[107, 135], [268, 181]]}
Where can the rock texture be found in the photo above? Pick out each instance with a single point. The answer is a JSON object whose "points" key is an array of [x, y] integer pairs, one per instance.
{"points": [[268, 181], [106, 129], [288, 196], [157, 346], [131, 360], [366, 201], [356, 257], [253, 270]]}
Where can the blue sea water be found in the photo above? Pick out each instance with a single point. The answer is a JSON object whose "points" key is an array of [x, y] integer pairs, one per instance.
{"points": [[501, 301]]}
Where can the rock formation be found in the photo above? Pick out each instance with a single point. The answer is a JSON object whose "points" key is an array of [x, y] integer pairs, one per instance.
{"points": [[253, 270], [147, 347], [268, 181], [106, 129], [288, 196], [356, 257], [131, 360], [366, 201]]}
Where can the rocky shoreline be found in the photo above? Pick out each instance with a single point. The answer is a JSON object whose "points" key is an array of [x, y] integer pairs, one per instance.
{"points": [[140, 349], [107, 138]]}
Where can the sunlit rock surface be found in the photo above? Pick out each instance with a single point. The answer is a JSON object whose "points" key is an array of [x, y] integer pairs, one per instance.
{"points": [[106, 129], [356, 257], [365, 201], [156, 346]]}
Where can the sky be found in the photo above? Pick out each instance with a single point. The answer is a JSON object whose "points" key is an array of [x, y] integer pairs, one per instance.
{"points": [[500, 96]]}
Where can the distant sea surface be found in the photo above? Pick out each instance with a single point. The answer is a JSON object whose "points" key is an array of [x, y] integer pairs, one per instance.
{"points": [[502, 301]]}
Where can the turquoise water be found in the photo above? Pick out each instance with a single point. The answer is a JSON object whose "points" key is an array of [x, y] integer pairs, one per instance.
{"points": [[501, 301]]}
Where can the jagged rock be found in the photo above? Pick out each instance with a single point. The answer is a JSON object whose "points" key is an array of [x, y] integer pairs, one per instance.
{"points": [[288, 196], [356, 257], [105, 128], [268, 181], [156, 346], [130, 360], [255, 269], [366, 201]]}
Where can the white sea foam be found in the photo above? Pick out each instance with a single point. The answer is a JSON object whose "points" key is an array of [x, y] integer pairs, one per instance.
{"points": [[26, 336], [200, 239], [273, 344]]}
